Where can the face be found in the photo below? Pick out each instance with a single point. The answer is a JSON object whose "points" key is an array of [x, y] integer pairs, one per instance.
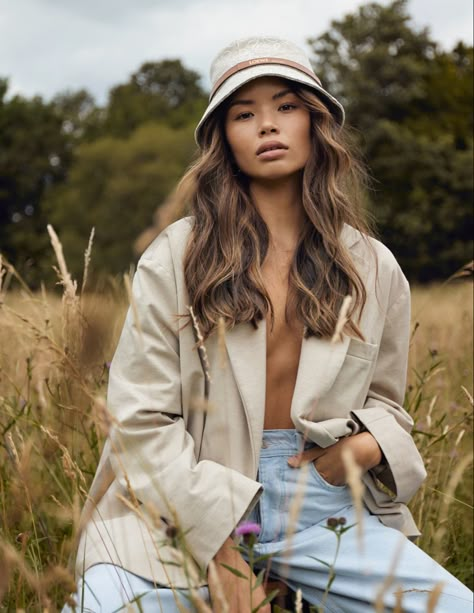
{"points": [[268, 129]]}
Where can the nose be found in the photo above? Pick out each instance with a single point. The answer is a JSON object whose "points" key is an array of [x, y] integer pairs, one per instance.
{"points": [[268, 126]]}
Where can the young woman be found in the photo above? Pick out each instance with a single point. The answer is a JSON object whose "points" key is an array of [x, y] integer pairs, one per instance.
{"points": [[243, 373]]}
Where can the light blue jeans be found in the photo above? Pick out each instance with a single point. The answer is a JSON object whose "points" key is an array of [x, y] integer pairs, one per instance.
{"points": [[301, 561]]}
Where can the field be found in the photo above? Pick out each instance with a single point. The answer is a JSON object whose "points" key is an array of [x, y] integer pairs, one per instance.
{"points": [[54, 356]]}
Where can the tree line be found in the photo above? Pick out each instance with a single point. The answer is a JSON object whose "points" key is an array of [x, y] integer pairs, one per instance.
{"points": [[78, 165]]}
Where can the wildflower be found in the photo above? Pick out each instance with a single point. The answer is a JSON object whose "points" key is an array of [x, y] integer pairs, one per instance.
{"points": [[247, 527], [171, 531], [334, 522]]}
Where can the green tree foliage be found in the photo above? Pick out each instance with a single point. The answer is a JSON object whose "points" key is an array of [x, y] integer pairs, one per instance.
{"points": [[412, 106], [115, 186], [82, 120], [34, 154], [163, 91]]}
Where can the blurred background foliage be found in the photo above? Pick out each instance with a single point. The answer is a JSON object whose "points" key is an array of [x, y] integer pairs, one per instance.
{"points": [[76, 165]]}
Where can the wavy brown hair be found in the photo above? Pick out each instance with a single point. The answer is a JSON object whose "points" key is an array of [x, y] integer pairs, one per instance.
{"points": [[229, 239]]}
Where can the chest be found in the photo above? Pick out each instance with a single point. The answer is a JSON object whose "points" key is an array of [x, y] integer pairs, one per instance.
{"points": [[283, 347], [283, 331]]}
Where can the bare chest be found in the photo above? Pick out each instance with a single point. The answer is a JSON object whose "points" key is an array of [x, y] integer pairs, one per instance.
{"points": [[284, 337]]}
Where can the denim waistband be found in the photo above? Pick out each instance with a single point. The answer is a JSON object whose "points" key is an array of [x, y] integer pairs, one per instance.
{"points": [[284, 441]]}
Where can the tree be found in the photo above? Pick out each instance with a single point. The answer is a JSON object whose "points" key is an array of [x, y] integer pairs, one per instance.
{"points": [[34, 154], [411, 105], [163, 91], [115, 186], [82, 120]]}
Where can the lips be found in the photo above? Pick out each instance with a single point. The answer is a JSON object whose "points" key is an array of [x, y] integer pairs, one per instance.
{"points": [[272, 145]]}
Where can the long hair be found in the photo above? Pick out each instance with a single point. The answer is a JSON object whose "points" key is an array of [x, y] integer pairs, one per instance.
{"points": [[229, 239]]}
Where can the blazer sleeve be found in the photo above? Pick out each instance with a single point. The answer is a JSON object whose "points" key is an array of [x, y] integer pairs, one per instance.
{"points": [[402, 469], [153, 453]]}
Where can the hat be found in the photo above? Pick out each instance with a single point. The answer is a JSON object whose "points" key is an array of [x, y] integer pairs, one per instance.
{"points": [[249, 58]]}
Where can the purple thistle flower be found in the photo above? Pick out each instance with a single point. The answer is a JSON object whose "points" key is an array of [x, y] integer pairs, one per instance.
{"points": [[247, 527]]}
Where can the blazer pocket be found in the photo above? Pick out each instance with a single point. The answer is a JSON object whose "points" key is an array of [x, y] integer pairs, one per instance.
{"points": [[360, 349]]}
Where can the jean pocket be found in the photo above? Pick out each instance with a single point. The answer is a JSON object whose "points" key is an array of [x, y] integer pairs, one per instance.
{"points": [[323, 482]]}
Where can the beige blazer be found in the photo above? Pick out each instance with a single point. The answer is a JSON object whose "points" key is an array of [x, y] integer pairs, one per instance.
{"points": [[168, 458]]}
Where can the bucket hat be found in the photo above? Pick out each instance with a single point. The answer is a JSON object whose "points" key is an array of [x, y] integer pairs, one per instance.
{"points": [[249, 58]]}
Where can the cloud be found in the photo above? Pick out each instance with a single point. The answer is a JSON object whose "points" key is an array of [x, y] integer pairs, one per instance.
{"points": [[48, 46]]}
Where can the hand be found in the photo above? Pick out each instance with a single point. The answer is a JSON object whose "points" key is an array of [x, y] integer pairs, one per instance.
{"points": [[235, 590], [329, 462]]}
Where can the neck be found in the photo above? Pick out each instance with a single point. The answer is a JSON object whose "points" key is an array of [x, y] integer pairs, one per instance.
{"points": [[279, 203]]}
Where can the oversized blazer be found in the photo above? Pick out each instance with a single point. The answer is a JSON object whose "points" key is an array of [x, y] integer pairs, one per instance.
{"points": [[186, 425]]}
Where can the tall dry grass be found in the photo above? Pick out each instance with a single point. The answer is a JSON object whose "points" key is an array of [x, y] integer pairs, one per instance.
{"points": [[54, 356]]}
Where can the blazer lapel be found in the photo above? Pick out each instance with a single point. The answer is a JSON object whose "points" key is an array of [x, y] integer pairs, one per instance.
{"points": [[320, 362], [246, 347]]}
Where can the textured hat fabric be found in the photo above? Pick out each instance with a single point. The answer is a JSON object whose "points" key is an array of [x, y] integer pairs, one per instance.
{"points": [[249, 58]]}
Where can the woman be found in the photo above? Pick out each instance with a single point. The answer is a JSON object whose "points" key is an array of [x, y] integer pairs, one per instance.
{"points": [[210, 426]]}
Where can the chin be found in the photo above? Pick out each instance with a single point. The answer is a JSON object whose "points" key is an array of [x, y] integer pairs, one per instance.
{"points": [[276, 174]]}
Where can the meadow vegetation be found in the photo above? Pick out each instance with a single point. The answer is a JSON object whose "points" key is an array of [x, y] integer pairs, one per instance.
{"points": [[55, 352]]}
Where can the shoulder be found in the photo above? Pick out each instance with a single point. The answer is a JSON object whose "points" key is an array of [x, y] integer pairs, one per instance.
{"points": [[378, 262], [167, 250], [364, 246]]}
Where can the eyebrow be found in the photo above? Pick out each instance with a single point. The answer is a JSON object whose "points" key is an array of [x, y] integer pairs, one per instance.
{"points": [[280, 94]]}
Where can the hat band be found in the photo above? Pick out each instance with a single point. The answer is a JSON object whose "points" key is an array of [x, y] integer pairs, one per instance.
{"points": [[262, 60]]}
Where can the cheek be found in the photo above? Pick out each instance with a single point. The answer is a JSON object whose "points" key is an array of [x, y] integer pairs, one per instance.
{"points": [[240, 148], [233, 141], [305, 140]]}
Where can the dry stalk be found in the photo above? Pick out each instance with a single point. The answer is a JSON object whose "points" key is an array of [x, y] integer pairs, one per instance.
{"points": [[57, 575], [220, 599], [103, 417], [451, 486], [222, 350], [72, 325], [354, 480], [70, 286], [71, 469], [87, 259], [434, 596], [342, 320], [468, 395], [201, 346], [398, 601], [133, 305], [390, 577], [299, 601]]}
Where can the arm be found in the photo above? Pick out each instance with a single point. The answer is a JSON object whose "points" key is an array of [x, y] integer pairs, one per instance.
{"points": [[402, 469], [384, 444], [153, 453]]}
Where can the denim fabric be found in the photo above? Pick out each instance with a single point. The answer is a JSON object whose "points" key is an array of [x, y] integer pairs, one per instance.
{"points": [[106, 588], [292, 513]]}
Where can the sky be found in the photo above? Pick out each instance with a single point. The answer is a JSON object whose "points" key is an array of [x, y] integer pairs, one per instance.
{"points": [[49, 46]]}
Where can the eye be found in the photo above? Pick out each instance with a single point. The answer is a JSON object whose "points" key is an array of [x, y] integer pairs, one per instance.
{"points": [[287, 107], [244, 115]]}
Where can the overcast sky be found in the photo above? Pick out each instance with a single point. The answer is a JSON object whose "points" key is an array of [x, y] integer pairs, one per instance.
{"points": [[47, 46]]}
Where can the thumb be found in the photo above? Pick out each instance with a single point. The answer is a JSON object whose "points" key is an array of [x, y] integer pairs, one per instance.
{"points": [[305, 456]]}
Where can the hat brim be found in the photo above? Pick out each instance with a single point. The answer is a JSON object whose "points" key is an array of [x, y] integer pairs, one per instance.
{"points": [[238, 79]]}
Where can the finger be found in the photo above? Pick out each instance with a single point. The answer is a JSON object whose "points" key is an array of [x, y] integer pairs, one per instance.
{"points": [[305, 456]]}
